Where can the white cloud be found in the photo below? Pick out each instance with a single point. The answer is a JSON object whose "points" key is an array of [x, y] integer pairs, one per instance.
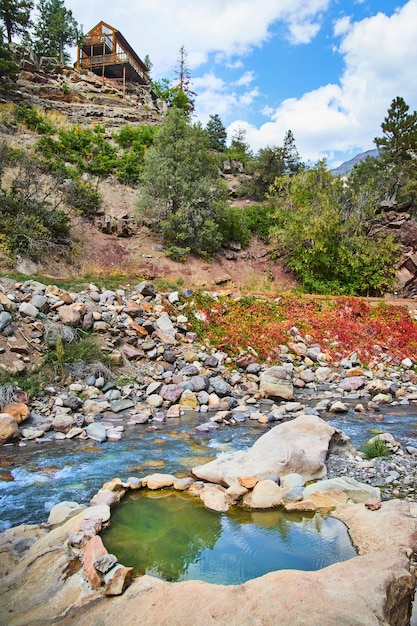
{"points": [[230, 27], [380, 55], [303, 32], [246, 79], [342, 26]]}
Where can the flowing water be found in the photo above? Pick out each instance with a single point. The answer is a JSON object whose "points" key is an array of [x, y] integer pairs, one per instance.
{"points": [[44, 474]]}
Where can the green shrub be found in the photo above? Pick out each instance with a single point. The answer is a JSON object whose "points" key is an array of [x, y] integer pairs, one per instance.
{"points": [[30, 117], [87, 149], [376, 448], [260, 219], [135, 136], [83, 196], [178, 254], [234, 226], [29, 223]]}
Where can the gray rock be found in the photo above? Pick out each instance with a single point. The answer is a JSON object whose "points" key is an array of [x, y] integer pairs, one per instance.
{"points": [[28, 310], [5, 320], [221, 387], [275, 382], [356, 491], [97, 432]]}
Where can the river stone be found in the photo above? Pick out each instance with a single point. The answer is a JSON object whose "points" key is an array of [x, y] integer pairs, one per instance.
{"points": [[300, 445], [328, 499], [96, 431], [9, 430], [322, 373], [188, 400], [117, 580], [121, 405], [93, 551], [165, 325], [182, 484], [63, 511], [307, 376], [383, 398], [265, 495], [292, 481], [28, 310], [70, 314], [5, 319], [63, 423], [100, 512], [215, 498], [105, 563], [352, 383], [93, 407], [357, 492], [32, 433], [221, 387], [275, 382], [200, 383], [158, 481], [154, 401], [18, 410], [171, 392], [338, 407], [174, 411], [105, 496]]}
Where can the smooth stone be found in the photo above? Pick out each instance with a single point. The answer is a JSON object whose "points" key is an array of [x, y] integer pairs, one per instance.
{"points": [[96, 431], [265, 495], [215, 498], [357, 492], [101, 512], [63, 511], [158, 481]]}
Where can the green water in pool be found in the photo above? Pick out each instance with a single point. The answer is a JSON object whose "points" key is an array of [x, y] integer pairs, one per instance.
{"points": [[173, 536]]}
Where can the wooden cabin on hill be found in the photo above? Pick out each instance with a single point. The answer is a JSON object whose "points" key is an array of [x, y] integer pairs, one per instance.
{"points": [[106, 52]]}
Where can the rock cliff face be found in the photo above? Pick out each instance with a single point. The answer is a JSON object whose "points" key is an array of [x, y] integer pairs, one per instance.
{"points": [[80, 95]]}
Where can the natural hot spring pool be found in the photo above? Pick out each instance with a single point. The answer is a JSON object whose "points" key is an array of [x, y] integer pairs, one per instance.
{"points": [[173, 536]]}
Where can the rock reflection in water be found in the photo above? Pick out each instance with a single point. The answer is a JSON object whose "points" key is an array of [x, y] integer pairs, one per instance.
{"points": [[173, 536]]}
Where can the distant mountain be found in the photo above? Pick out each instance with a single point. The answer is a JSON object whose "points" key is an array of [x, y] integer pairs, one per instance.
{"points": [[345, 167]]}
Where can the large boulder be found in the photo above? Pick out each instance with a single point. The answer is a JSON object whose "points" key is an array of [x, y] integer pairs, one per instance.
{"points": [[9, 430], [299, 446], [276, 382]]}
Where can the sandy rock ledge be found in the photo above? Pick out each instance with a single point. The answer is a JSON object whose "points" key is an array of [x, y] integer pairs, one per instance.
{"points": [[42, 583]]}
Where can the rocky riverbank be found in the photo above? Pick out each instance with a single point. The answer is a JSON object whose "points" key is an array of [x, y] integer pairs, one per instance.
{"points": [[162, 371], [167, 372]]}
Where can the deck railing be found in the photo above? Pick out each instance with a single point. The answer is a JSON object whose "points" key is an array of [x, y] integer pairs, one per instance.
{"points": [[113, 59]]}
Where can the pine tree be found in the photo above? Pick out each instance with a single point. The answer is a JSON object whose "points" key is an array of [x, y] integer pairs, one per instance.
{"points": [[399, 132], [181, 191], [291, 156], [55, 29], [185, 96], [217, 133], [15, 15]]}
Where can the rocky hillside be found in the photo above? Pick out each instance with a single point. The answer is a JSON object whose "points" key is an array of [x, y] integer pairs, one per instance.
{"points": [[115, 243]]}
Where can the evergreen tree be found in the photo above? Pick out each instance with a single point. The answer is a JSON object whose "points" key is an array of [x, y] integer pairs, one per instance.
{"points": [[399, 132], [181, 191], [239, 149], [292, 158], [217, 133], [15, 15], [55, 29], [185, 96], [8, 68]]}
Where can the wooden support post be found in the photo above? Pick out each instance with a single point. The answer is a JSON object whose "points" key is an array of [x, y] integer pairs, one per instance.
{"points": [[124, 80]]}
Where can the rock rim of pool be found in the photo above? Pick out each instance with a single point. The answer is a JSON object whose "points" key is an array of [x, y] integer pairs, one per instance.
{"points": [[60, 571]]}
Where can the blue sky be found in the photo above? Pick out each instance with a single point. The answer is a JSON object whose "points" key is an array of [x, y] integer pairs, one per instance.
{"points": [[325, 69]]}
